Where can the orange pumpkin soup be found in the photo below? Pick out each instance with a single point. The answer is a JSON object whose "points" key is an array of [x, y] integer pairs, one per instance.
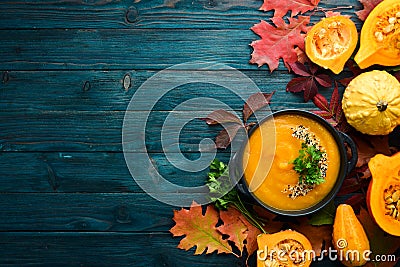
{"points": [[268, 172]]}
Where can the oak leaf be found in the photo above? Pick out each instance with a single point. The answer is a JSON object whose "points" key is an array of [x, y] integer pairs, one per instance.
{"points": [[199, 230], [368, 6], [295, 6], [256, 102], [278, 40], [234, 227]]}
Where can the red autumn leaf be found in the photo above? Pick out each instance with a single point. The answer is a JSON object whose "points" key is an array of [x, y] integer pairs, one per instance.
{"points": [[369, 145], [332, 111], [397, 75], [234, 227], [301, 55], [295, 6], [350, 185], [225, 136], [199, 230], [309, 82], [368, 6], [322, 103], [221, 116], [256, 102], [278, 41], [335, 99], [331, 13], [380, 242], [355, 70], [270, 224], [320, 236], [355, 201]]}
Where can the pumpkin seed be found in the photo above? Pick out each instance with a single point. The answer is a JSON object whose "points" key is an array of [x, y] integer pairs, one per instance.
{"points": [[392, 20], [389, 200], [396, 196], [391, 207], [394, 213]]}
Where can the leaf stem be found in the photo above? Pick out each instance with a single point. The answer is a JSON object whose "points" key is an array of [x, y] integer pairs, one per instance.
{"points": [[242, 208]]}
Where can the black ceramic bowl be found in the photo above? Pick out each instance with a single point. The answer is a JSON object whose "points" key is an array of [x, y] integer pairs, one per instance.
{"points": [[346, 165]]}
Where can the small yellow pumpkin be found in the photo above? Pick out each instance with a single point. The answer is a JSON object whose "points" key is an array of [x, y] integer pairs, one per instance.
{"points": [[380, 36], [331, 42], [349, 237], [371, 102]]}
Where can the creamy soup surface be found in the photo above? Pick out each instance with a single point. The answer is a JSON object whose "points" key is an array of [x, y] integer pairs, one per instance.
{"points": [[269, 181]]}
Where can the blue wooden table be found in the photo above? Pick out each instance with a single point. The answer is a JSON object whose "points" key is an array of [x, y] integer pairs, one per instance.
{"points": [[68, 70]]}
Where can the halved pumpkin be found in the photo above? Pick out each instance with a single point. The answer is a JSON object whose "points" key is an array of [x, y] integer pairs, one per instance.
{"points": [[331, 42], [383, 197], [284, 248], [380, 36]]}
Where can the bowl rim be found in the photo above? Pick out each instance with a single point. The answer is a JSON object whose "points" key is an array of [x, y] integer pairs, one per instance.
{"points": [[340, 178]]}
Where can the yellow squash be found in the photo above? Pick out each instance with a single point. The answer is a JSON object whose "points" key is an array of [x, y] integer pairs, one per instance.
{"points": [[371, 103]]}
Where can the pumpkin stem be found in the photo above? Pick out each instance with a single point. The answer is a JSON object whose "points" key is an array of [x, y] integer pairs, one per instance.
{"points": [[382, 105]]}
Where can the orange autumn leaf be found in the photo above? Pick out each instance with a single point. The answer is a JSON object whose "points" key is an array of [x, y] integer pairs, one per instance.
{"points": [[295, 6], [200, 230], [279, 40], [234, 227]]}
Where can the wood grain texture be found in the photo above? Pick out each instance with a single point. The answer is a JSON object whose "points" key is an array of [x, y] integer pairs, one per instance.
{"points": [[84, 212], [75, 91], [68, 70], [101, 249], [198, 14], [85, 172]]}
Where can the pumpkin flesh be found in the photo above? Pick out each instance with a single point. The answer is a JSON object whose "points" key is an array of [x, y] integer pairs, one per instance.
{"points": [[384, 192], [331, 42], [284, 248], [380, 36]]}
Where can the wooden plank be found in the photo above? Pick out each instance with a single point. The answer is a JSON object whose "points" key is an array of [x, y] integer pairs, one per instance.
{"points": [[112, 90], [70, 172], [84, 212], [102, 249], [131, 49], [142, 14], [102, 131], [109, 249], [109, 49]]}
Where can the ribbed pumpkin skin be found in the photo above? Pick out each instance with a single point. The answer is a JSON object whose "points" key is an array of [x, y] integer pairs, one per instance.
{"points": [[361, 98], [347, 227], [378, 45]]}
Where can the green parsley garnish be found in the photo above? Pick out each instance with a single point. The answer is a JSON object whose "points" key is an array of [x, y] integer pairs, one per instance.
{"points": [[219, 183], [308, 165]]}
